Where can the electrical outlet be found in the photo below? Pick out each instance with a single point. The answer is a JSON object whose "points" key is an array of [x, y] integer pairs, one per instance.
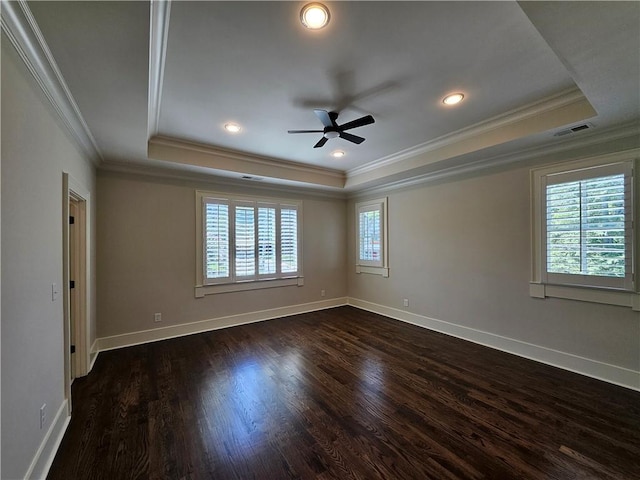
{"points": [[405, 302], [43, 415], [157, 317], [322, 293]]}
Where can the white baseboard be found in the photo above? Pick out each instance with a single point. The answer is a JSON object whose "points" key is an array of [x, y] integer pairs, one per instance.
{"points": [[602, 371], [567, 361], [43, 458], [164, 333], [93, 355]]}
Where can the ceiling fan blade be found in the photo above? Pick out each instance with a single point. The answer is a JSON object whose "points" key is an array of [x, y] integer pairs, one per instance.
{"points": [[305, 131], [328, 119], [351, 138], [321, 142], [360, 122]]}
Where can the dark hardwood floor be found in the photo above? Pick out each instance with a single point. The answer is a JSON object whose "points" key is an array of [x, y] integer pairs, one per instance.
{"points": [[342, 394]]}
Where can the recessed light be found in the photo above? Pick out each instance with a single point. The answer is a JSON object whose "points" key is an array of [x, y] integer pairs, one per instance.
{"points": [[337, 154], [232, 127], [314, 16], [453, 99]]}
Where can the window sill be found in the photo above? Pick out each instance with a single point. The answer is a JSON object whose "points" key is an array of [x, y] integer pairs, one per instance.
{"points": [[583, 294], [384, 271], [202, 290]]}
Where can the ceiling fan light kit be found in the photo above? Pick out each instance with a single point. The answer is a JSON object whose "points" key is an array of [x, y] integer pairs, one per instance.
{"points": [[333, 130]]}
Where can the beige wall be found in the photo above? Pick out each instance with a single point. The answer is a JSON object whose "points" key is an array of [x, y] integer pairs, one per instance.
{"points": [[35, 152], [147, 255], [460, 252]]}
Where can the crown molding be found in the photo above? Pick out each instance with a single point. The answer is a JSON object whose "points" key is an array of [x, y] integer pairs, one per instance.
{"points": [[23, 32], [201, 155], [563, 146], [212, 180], [629, 130], [557, 110], [158, 34]]}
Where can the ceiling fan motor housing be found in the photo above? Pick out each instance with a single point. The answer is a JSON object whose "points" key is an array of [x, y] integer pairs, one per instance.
{"points": [[330, 132], [333, 130]]}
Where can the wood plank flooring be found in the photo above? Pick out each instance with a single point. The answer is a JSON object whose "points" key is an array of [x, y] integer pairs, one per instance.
{"points": [[342, 394]]}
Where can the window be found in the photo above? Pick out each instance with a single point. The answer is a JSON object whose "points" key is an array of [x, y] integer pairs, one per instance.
{"points": [[244, 241], [583, 215], [371, 235]]}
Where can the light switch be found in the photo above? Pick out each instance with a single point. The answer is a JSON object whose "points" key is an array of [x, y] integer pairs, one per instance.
{"points": [[54, 292]]}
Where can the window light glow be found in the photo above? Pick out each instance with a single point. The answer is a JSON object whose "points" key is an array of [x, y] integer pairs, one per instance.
{"points": [[314, 16], [453, 99]]}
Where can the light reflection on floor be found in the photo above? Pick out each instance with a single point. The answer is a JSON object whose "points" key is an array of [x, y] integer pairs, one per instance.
{"points": [[240, 396]]}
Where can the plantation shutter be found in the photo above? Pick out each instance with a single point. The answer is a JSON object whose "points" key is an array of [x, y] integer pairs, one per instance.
{"points": [[216, 229], [369, 235], [267, 246], [289, 239], [589, 226], [245, 240]]}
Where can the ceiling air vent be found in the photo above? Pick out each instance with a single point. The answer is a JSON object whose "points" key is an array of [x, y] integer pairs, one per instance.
{"points": [[577, 128]]}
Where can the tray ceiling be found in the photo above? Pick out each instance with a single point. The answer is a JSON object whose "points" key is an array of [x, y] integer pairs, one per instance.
{"points": [[155, 83]]}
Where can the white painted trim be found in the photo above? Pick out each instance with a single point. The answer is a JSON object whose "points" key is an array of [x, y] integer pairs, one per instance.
{"points": [[540, 285], [66, 325], [202, 290], [551, 103], [585, 366], [94, 346], [380, 267], [222, 183], [93, 355], [559, 110], [173, 331], [384, 271], [25, 36], [42, 460], [536, 290], [200, 155], [74, 189], [233, 283], [560, 147], [80, 192], [585, 294], [158, 36]]}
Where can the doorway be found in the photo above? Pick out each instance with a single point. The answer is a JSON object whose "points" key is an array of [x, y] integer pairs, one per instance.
{"points": [[76, 208], [76, 264]]}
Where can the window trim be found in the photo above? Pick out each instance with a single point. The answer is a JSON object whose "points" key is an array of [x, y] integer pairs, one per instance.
{"points": [[541, 285], [366, 266], [204, 286]]}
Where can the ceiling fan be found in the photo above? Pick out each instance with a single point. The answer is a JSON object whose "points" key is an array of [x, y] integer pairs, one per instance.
{"points": [[333, 130]]}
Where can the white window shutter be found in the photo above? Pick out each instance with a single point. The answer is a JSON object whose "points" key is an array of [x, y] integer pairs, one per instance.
{"points": [[245, 241], [216, 240], [588, 227], [267, 246], [289, 239]]}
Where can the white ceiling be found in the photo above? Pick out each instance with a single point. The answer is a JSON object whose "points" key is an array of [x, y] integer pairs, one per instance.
{"points": [[527, 70]]}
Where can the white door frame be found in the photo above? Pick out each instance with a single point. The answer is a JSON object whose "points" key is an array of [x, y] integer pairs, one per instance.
{"points": [[74, 191]]}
